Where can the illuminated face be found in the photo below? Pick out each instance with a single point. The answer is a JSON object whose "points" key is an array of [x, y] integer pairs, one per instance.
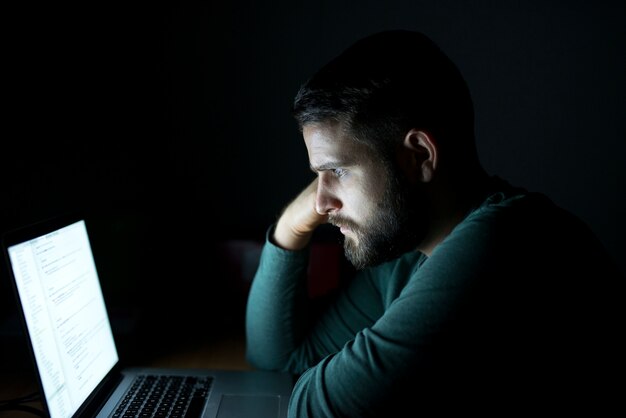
{"points": [[361, 195]]}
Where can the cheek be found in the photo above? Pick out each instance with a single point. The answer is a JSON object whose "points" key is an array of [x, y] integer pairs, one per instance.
{"points": [[365, 201]]}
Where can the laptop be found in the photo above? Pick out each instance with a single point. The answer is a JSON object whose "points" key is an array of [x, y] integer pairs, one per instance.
{"points": [[53, 271]]}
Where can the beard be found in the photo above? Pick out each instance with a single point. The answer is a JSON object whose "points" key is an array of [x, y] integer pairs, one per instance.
{"points": [[391, 231]]}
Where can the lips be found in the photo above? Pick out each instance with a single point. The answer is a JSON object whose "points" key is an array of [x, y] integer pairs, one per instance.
{"points": [[344, 225], [342, 228]]}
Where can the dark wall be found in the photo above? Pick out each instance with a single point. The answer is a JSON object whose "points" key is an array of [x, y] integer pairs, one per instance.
{"points": [[171, 124]]}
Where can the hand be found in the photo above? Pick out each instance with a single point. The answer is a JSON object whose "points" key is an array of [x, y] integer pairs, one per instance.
{"points": [[299, 219]]}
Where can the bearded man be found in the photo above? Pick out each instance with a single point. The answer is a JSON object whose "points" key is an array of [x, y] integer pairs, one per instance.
{"points": [[470, 294]]}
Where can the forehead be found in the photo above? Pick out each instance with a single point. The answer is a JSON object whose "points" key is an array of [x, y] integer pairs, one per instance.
{"points": [[329, 141]]}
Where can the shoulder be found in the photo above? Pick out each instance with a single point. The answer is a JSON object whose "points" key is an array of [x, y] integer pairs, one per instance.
{"points": [[518, 230], [515, 212]]}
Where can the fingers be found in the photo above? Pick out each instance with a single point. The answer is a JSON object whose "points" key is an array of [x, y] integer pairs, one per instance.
{"points": [[299, 220]]}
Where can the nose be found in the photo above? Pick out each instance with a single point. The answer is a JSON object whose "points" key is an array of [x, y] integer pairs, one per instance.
{"points": [[325, 200]]}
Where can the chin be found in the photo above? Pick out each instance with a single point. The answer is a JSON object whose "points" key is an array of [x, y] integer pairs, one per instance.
{"points": [[375, 250]]}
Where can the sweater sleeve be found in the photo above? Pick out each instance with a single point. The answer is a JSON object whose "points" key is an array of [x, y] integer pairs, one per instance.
{"points": [[276, 307], [284, 330]]}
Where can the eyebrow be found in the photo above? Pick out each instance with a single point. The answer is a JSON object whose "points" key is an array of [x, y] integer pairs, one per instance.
{"points": [[327, 166]]}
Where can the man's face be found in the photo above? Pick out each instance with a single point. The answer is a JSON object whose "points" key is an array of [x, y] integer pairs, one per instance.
{"points": [[363, 196]]}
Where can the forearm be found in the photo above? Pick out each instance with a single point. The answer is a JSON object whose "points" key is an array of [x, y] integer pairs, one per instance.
{"points": [[276, 313], [358, 380]]}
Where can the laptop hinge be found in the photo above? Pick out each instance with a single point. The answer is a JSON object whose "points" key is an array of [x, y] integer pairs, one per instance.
{"points": [[100, 394]]}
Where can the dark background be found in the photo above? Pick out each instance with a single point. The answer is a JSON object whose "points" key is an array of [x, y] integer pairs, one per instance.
{"points": [[169, 126]]}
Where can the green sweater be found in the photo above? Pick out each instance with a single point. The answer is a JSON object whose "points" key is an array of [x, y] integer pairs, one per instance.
{"points": [[510, 310]]}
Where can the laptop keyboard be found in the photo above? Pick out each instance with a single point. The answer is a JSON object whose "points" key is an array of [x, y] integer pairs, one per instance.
{"points": [[165, 396]]}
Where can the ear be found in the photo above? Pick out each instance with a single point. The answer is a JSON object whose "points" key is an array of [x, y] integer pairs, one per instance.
{"points": [[418, 156]]}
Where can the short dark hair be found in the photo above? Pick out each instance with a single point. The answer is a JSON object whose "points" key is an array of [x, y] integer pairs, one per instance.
{"points": [[386, 84]]}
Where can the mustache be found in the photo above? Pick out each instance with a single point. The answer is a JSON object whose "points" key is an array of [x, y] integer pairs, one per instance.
{"points": [[341, 221]]}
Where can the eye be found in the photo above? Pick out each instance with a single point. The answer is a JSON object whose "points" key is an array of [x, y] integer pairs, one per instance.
{"points": [[339, 172]]}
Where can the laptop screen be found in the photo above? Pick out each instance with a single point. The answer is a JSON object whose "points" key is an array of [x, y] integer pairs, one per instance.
{"points": [[65, 314]]}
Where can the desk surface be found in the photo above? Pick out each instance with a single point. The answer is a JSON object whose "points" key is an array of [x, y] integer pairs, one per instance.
{"points": [[225, 353]]}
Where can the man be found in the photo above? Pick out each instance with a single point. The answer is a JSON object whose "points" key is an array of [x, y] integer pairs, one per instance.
{"points": [[470, 294]]}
